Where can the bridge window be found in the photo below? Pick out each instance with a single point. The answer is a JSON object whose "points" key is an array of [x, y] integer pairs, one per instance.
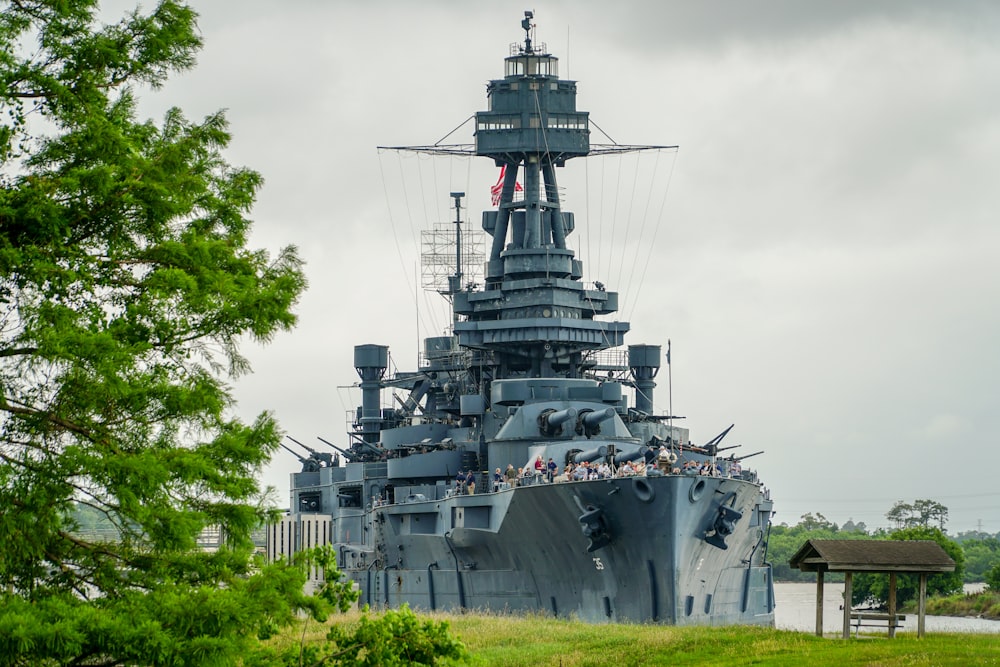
{"points": [[566, 121], [499, 122], [532, 66]]}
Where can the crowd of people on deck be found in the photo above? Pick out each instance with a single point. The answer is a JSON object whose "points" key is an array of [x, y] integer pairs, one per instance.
{"points": [[538, 471]]}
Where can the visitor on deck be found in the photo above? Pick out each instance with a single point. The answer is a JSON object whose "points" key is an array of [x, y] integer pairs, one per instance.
{"points": [[510, 475]]}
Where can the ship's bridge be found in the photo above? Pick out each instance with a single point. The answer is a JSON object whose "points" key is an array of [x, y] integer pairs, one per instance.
{"points": [[531, 65]]}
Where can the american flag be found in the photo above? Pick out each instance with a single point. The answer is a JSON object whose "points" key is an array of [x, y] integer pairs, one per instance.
{"points": [[495, 190]]}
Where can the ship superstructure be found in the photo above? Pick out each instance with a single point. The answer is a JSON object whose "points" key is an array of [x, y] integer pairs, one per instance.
{"points": [[626, 518]]}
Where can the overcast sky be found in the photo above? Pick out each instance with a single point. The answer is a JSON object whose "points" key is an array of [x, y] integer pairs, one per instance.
{"points": [[823, 264]]}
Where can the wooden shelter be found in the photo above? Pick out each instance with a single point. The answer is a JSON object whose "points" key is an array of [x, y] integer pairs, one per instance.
{"points": [[893, 557]]}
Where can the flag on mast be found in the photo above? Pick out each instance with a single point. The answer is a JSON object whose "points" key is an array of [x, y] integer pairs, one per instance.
{"points": [[495, 190]]}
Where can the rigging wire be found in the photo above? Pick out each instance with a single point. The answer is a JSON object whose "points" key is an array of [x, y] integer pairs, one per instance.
{"points": [[392, 222], [651, 246], [628, 223]]}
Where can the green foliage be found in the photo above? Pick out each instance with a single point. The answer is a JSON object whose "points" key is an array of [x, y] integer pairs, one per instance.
{"points": [[126, 286], [394, 637], [398, 637], [920, 514], [985, 604], [982, 552], [993, 578], [784, 541], [335, 590], [873, 589]]}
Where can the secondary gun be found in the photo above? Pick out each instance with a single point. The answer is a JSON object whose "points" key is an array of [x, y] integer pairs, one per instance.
{"points": [[320, 457], [746, 456], [362, 450], [308, 464], [342, 451], [712, 446]]}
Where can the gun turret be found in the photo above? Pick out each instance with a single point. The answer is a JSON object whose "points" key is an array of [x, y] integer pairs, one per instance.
{"points": [[712, 446], [589, 423], [308, 464], [321, 458], [342, 451], [550, 421], [591, 454], [622, 457], [362, 449], [303, 446]]}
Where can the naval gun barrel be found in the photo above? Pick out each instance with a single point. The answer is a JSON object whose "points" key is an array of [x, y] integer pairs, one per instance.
{"points": [[302, 445], [301, 458], [311, 464], [746, 456], [591, 455], [559, 417], [622, 457], [344, 452], [595, 417]]}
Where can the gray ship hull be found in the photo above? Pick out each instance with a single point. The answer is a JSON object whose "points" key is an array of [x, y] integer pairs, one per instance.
{"points": [[524, 549]]}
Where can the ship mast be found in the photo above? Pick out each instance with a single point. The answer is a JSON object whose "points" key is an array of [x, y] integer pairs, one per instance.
{"points": [[455, 281], [534, 315]]}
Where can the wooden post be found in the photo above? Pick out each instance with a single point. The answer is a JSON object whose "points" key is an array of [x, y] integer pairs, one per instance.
{"points": [[892, 605], [819, 603], [847, 604], [922, 604]]}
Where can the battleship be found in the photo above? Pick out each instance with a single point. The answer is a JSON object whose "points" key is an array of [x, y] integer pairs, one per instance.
{"points": [[522, 467]]}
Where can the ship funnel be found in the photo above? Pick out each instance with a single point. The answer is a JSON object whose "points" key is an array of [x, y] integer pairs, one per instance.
{"points": [[370, 361], [644, 362]]}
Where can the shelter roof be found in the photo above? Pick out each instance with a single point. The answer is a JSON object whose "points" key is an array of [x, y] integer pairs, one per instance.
{"points": [[872, 556]]}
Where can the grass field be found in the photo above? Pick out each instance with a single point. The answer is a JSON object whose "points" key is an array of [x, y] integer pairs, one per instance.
{"points": [[540, 640]]}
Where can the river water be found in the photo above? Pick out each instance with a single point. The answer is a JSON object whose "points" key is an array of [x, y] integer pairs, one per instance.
{"points": [[795, 609]]}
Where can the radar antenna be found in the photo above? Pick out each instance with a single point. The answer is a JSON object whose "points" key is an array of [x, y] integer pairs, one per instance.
{"points": [[526, 24]]}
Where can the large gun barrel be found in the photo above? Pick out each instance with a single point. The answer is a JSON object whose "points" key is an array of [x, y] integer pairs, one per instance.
{"points": [[622, 457], [591, 455], [310, 464], [560, 416], [595, 417], [344, 452], [294, 453], [746, 456], [317, 457], [550, 421], [302, 445]]}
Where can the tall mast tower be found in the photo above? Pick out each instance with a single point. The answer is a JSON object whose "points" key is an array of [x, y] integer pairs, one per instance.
{"points": [[534, 314]]}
